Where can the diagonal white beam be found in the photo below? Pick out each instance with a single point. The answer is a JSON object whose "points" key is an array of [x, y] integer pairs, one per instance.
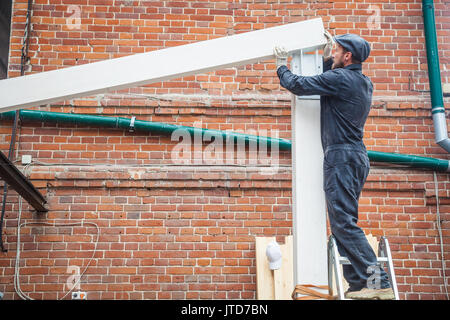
{"points": [[157, 66]]}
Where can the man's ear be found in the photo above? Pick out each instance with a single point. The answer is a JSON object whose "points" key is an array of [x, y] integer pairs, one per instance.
{"points": [[348, 56]]}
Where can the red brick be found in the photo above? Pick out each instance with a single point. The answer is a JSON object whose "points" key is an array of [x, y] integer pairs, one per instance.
{"points": [[202, 223]]}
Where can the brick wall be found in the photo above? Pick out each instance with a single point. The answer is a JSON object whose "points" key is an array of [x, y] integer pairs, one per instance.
{"points": [[175, 232]]}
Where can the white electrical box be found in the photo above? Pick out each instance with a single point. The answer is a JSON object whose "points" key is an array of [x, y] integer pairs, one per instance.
{"points": [[26, 159], [446, 88]]}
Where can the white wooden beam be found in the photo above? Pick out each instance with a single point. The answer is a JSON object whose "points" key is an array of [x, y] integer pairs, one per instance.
{"points": [[308, 197], [157, 66]]}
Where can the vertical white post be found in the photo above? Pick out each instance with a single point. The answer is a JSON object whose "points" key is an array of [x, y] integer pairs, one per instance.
{"points": [[309, 208]]}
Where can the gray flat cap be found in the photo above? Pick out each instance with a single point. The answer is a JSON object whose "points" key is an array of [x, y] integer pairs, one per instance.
{"points": [[359, 47]]}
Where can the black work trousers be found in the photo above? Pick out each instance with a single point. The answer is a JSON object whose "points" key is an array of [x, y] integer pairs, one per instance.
{"points": [[345, 171]]}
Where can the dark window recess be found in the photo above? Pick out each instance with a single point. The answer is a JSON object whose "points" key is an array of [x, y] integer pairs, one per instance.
{"points": [[5, 28]]}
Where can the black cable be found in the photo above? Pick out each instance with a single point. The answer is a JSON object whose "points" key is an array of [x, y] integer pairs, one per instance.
{"points": [[24, 59], [5, 186]]}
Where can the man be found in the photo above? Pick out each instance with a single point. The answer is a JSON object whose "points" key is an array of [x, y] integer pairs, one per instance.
{"points": [[345, 100]]}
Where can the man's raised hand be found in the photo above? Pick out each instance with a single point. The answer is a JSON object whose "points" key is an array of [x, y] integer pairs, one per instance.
{"points": [[281, 54]]}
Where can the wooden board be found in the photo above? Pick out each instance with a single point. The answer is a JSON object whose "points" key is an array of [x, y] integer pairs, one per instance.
{"points": [[156, 66], [264, 276], [274, 284], [284, 277]]}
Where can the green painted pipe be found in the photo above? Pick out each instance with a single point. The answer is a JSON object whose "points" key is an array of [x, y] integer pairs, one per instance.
{"points": [[140, 125], [434, 76], [432, 54], [410, 160], [149, 126]]}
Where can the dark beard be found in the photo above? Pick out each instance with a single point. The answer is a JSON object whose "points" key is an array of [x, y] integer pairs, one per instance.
{"points": [[337, 65]]}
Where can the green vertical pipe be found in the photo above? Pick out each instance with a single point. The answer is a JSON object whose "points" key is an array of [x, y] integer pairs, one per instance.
{"points": [[434, 73], [434, 76], [164, 128]]}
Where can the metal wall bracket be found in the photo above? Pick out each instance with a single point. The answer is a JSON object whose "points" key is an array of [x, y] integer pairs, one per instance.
{"points": [[132, 129], [13, 177]]}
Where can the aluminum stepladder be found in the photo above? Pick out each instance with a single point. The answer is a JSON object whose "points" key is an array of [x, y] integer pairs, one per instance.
{"points": [[335, 260]]}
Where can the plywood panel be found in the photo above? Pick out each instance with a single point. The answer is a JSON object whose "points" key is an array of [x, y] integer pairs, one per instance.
{"points": [[264, 276], [284, 277]]}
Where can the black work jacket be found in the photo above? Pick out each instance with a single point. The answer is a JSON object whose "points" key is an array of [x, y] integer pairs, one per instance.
{"points": [[345, 100]]}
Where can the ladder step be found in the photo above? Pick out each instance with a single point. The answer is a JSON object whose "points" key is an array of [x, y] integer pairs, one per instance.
{"points": [[344, 260], [334, 260]]}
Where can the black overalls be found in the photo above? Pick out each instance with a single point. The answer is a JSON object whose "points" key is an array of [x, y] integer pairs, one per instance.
{"points": [[345, 100]]}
